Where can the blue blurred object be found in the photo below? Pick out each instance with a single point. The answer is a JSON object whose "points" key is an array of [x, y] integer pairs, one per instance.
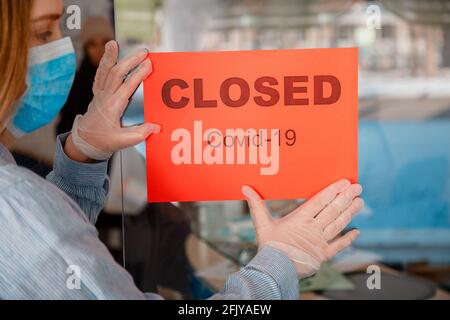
{"points": [[404, 169]]}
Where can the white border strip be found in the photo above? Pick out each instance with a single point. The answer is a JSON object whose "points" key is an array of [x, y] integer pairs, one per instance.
{"points": [[49, 51]]}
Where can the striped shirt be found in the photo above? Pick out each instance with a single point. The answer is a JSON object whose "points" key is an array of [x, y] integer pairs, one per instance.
{"points": [[47, 236]]}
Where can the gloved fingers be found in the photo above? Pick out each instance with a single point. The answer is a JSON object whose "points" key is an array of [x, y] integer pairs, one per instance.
{"points": [[132, 83], [129, 137], [316, 204], [107, 62], [338, 205], [341, 243], [335, 227], [260, 215], [119, 72]]}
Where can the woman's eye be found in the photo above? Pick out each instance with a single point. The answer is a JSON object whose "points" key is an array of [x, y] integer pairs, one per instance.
{"points": [[45, 36]]}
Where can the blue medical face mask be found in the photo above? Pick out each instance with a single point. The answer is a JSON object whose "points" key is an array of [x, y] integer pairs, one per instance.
{"points": [[51, 71]]}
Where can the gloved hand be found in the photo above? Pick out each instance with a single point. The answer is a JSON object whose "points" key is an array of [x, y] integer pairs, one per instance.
{"points": [[307, 235], [98, 133]]}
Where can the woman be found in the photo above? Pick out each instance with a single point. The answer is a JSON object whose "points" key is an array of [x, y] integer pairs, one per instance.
{"points": [[49, 247]]}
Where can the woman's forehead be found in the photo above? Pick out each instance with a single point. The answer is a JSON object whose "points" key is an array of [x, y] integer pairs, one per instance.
{"points": [[46, 10]]}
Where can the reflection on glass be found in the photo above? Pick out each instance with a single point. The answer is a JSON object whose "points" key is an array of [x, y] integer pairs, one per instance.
{"points": [[404, 97]]}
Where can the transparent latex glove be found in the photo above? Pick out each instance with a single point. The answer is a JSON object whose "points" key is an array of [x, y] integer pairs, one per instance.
{"points": [[308, 235], [98, 133]]}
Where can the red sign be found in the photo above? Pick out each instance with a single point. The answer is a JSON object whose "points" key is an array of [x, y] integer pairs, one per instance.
{"points": [[284, 122]]}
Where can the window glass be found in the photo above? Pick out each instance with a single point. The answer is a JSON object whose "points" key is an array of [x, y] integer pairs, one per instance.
{"points": [[404, 103]]}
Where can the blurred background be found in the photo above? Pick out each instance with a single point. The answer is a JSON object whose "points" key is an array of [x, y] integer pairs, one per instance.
{"points": [[187, 250]]}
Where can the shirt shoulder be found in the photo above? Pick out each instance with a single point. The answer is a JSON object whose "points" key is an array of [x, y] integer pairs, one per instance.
{"points": [[24, 193], [42, 232], [11, 174]]}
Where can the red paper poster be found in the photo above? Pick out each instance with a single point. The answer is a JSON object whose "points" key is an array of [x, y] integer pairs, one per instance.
{"points": [[284, 122]]}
